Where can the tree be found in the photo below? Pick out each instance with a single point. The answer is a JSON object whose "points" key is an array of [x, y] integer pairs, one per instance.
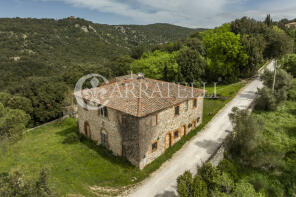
{"points": [[245, 189], [248, 26], [278, 43], [138, 51], [283, 79], [265, 100], [268, 21], [19, 102], [12, 121], [13, 184], [246, 136], [47, 96], [184, 187], [191, 187], [288, 63], [120, 66], [254, 46], [191, 65], [4, 98], [226, 54], [157, 65]]}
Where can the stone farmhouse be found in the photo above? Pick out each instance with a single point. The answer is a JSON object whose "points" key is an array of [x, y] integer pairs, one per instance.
{"points": [[139, 118], [291, 25]]}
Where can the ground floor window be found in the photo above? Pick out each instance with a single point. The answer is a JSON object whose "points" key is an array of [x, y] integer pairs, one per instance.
{"points": [[176, 134], [104, 138], [87, 131], [154, 147]]}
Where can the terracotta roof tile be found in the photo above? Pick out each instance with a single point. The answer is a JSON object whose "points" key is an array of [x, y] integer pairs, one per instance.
{"points": [[140, 97]]}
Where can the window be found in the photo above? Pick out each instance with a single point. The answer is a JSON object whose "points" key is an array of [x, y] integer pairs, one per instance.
{"points": [[176, 134], [154, 120], [103, 112], [104, 138], [189, 125], [85, 104], [194, 123], [177, 110], [186, 106], [194, 103], [154, 147]]}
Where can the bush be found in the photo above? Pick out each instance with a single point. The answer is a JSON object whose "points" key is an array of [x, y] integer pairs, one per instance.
{"points": [[265, 100], [243, 142], [184, 187], [199, 187], [228, 167], [14, 185], [244, 189], [292, 91], [289, 63]]}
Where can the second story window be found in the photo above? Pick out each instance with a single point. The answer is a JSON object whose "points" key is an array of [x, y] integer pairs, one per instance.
{"points": [[103, 112], [177, 110], [154, 120]]}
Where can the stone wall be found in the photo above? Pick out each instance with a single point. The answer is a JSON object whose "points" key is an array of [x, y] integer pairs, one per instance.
{"points": [[132, 137], [98, 123], [167, 124]]}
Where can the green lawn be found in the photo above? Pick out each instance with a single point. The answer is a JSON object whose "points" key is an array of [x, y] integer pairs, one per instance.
{"points": [[74, 165]]}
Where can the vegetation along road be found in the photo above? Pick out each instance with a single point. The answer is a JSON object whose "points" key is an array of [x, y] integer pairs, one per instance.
{"points": [[163, 181]]}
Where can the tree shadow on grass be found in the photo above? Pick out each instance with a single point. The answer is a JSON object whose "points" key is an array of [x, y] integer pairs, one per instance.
{"points": [[72, 136]]}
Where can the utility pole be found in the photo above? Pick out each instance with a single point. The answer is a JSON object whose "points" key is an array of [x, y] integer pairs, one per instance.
{"points": [[274, 76]]}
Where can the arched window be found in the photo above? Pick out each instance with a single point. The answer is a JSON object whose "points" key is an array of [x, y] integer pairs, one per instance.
{"points": [[87, 130], [104, 138]]}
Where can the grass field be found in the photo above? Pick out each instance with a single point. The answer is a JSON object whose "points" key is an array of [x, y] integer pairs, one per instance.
{"points": [[279, 145], [74, 165]]}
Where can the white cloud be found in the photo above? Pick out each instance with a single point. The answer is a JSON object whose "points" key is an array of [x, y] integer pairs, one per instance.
{"points": [[193, 13]]}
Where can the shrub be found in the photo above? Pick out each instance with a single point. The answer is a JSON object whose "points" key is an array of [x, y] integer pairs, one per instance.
{"points": [[184, 187], [199, 187], [14, 185], [265, 100], [228, 167], [246, 136], [289, 63], [244, 189], [292, 91]]}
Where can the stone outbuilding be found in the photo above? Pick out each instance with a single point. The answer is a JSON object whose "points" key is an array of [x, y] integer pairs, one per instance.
{"points": [[139, 118]]}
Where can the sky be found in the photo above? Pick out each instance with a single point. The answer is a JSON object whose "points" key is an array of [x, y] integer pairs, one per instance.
{"points": [[189, 13]]}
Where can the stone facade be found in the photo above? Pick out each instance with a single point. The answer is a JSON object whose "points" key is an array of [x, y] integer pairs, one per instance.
{"points": [[141, 139]]}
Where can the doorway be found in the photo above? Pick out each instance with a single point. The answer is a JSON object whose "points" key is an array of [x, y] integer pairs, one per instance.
{"points": [[87, 131], [185, 130], [168, 140]]}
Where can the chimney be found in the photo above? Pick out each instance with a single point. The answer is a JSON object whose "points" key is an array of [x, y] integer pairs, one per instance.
{"points": [[141, 76]]}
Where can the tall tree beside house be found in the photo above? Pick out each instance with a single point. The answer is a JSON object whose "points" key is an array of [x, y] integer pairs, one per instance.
{"points": [[225, 52], [158, 65], [278, 43], [191, 65], [254, 46]]}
